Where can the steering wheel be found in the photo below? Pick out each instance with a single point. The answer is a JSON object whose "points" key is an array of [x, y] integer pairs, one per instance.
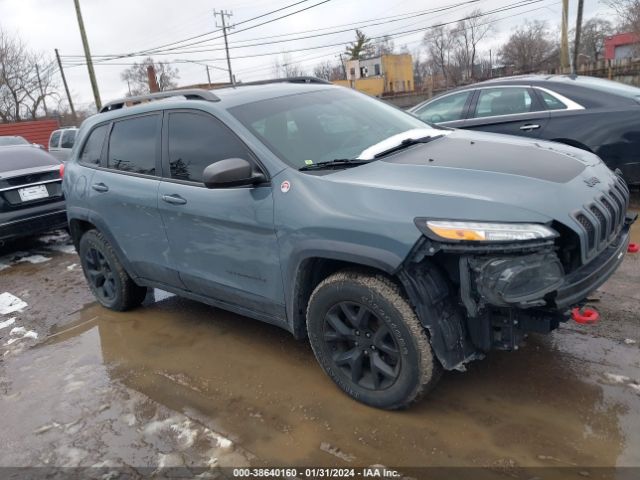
{"points": [[436, 118]]}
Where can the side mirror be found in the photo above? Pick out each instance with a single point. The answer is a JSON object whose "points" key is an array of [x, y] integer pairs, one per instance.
{"points": [[230, 172]]}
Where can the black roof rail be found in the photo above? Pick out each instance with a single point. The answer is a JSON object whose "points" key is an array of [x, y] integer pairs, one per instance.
{"points": [[189, 94], [304, 79]]}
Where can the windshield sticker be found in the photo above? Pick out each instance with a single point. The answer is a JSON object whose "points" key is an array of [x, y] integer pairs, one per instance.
{"points": [[308, 162], [285, 186]]}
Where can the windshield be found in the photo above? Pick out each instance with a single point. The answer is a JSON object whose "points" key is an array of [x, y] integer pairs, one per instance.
{"points": [[6, 141], [321, 126]]}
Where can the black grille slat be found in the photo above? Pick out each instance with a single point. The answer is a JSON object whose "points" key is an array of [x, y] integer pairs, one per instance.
{"points": [[602, 220], [612, 211], [589, 228], [624, 194], [620, 203], [604, 225]]}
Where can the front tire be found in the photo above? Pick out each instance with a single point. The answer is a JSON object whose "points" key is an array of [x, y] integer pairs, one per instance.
{"points": [[109, 282], [367, 338]]}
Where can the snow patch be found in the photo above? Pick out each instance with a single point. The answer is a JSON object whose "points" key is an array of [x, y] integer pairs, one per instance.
{"points": [[19, 333], [186, 435], [23, 332], [336, 452], [34, 259], [68, 249], [9, 303], [616, 378], [72, 266], [628, 341], [3, 266], [7, 323]]}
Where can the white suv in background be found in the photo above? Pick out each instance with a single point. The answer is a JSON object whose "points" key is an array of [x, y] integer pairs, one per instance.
{"points": [[61, 142]]}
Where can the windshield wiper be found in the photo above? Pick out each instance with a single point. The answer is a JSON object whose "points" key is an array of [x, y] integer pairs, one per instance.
{"points": [[406, 144], [334, 163]]}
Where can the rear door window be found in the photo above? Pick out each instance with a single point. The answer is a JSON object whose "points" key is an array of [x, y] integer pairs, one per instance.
{"points": [[68, 138], [446, 109], [196, 140], [92, 150], [133, 144], [55, 139], [504, 101]]}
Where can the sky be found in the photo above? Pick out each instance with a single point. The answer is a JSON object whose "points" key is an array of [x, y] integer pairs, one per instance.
{"points": [[133, 26]]}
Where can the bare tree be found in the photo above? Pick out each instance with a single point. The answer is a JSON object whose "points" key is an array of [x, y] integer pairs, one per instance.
{"points": [[439, 42], [26, 80], [383, 46], [286, 67], [628, 12], [328, 70], [594, 32], [421, 69], [529, 48], [137, 78], [468, 33]]}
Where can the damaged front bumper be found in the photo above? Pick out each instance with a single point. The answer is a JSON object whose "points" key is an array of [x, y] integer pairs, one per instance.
{"points": [[505, 291], [536, 280]]}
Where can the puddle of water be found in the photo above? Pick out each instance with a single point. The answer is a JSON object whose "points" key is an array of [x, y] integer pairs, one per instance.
{"points": [[257, 386]]}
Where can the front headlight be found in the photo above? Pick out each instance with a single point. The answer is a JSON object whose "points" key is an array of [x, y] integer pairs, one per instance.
{"points": [[484, 231]]}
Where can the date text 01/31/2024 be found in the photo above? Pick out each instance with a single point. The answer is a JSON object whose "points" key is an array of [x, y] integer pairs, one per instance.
{"points": [[367, 472]]}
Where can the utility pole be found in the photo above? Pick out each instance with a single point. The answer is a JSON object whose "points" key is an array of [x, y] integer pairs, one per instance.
{"points": [[223, 14], [564, 38], [66, 87], [576, 47], [44, 100], [87, 55], [152, 79], [344, 67], [208, 76], [490, 65]]}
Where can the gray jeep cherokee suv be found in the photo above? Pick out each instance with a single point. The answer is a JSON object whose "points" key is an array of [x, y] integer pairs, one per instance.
{"points": [[399, 249]]}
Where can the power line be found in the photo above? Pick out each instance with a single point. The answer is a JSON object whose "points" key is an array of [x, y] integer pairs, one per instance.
{"points": [[398, 34], [396, 18], [520, 4], [159, 49], [392, 18], [335, 53]]}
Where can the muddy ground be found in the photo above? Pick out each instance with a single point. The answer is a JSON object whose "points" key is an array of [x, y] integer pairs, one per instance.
{"points": [[180, 384]]}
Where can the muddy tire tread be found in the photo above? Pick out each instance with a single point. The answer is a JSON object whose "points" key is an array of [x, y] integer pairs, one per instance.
{"points": [[131, 294], [429, 367]]}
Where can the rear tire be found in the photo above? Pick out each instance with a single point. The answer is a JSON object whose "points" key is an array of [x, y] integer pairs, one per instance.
{"points": [[368, 339], [109, 282]]}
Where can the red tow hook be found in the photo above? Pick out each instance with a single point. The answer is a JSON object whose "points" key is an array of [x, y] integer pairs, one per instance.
{"points": [[633, 248], [588, 316]]}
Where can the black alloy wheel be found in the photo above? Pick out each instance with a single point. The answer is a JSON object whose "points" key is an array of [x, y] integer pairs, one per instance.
{"points": [[362, 345]]}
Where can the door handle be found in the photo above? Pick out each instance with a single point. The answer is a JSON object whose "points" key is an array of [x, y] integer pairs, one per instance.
{"points": [[529, 126], [100, 187], [174, 199]]}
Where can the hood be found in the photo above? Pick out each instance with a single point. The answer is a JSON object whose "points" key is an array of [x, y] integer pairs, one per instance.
{"points": [[500, 154], [487, 176]]}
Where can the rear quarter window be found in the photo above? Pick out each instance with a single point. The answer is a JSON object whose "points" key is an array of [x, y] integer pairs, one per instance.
{"points": [[92, 150]]}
